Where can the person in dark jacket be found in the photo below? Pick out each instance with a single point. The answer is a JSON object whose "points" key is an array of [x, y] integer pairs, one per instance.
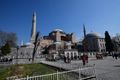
{"points": [[83, 59]]}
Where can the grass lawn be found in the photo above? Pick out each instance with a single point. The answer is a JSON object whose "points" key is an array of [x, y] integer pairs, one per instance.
{"points": [[24, 70]]}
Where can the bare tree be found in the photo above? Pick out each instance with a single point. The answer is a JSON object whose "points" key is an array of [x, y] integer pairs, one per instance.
{"points": [[9, 37], [36, 43]]}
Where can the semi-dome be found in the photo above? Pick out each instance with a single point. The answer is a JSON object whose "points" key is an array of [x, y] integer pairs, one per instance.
{"points": [[29, 44], [93, 34]]}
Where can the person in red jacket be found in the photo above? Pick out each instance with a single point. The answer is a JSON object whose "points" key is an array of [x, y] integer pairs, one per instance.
{"points": [[83, 57], [86, 58]]}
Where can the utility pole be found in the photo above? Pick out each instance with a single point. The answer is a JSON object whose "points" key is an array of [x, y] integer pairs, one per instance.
{"points": [[17, 54]]}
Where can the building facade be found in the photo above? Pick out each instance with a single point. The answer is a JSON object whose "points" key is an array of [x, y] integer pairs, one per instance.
{"points": [[94, 43], [61, 40]]}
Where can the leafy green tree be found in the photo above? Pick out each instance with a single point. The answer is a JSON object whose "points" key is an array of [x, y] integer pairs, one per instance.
{"points": [[108, 42], [5, 49]]}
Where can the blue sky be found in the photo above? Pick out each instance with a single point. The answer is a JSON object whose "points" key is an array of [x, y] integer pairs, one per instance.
{"points": [[68, 15]]}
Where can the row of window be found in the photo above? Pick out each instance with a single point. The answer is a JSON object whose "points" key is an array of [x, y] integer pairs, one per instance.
{"points": [[102, 45], [102, 40]]}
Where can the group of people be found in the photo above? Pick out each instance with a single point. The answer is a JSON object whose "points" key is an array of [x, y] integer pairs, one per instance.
{"points": [[84, 59], [67, 59], [116, 55], [3, 60]]}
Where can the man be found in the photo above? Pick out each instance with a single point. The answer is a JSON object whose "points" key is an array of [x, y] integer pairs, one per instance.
{"points": [[83, 57]]}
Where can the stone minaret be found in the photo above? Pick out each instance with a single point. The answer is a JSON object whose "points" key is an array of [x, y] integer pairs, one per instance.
{"points": [[84, 30], [33, 30]]}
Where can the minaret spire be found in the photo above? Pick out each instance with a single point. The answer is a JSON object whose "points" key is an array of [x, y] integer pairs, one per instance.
{"points": [[84, 30], [33, 30]]}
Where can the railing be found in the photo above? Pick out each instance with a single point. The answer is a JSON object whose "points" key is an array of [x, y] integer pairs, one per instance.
{"points": [[77, 74]]}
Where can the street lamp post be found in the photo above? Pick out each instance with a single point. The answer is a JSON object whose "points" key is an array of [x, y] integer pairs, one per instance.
{"points": [[17, 54]]}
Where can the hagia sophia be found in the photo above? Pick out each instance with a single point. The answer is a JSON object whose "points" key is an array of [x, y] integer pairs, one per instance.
{"points": [[58, 40]]}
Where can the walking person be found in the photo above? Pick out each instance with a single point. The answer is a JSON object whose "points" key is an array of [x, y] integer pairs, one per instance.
{"points": [[83, 59], [116, 55], [86, 58], [64, 59], [113, 55]]}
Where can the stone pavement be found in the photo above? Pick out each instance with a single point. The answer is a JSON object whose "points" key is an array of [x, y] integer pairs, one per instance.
{"points": [[67, 66], [106, 69]]}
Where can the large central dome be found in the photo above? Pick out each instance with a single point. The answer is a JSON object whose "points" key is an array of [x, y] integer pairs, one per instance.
{"points": [[93, 34], [58, 30]]}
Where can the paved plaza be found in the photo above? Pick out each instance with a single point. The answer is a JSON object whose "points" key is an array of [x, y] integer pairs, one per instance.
{"points": [[106, 69]]}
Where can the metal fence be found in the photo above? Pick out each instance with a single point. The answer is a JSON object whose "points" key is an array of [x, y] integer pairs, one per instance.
{"points": [[77, 74]]}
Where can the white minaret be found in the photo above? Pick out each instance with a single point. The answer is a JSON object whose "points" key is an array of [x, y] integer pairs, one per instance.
{"points": [[33, 30]]}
